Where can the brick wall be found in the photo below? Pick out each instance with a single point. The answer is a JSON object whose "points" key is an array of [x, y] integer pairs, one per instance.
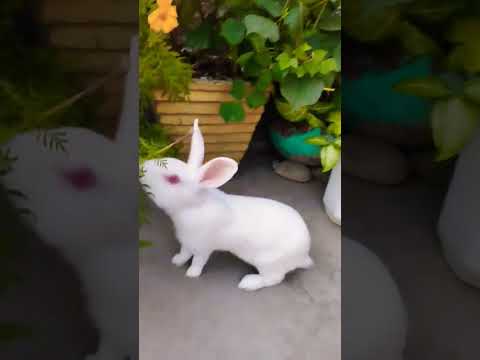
{"points": [[92, 37]]}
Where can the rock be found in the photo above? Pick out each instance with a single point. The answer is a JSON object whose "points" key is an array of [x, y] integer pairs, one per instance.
{"points": [[292, 170], [408, 136], [374, 160], [317, 173]]}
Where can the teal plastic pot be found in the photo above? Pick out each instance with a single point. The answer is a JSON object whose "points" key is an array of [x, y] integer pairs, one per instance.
{"points": [[371, 98], [295, 147]]}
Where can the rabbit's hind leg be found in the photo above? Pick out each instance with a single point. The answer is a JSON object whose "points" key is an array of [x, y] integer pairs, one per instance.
{"points": [[252, 282]]}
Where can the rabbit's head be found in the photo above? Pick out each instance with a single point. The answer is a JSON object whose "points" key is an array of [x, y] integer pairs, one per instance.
{"points": [[174, 184]]}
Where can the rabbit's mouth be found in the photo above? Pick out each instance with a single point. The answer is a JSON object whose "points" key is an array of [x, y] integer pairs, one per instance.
{"points": [[81, 178]]}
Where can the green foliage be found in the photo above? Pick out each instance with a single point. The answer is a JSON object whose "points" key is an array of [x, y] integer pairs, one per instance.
{"points": [[289, 47], [453, 122], [431, 87], [160, 67], [232, 112], [447, 31]]}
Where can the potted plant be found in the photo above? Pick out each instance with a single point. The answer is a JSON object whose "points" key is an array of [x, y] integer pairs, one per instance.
{"points": [[308, 96], [453, 92], [228, 115]]}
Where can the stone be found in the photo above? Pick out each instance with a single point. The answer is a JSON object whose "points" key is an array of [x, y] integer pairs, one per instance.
{"points": [[373, 160], [292, 170], [408, 136]]}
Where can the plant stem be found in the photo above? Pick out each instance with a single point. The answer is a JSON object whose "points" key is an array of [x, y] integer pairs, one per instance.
{"points": [[317, 21], [95, 86]]}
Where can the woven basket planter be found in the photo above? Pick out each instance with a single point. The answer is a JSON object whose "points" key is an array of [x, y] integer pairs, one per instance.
{"points": [[221, 139]]}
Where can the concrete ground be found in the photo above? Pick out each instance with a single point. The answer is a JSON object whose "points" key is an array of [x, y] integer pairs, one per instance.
{"points": [[209, 318], [398, 223]]}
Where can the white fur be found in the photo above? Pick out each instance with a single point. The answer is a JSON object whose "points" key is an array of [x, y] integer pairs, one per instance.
{"points": [[96, 229], [458, 226], [333, 195], [265, 233], [374, 324]]}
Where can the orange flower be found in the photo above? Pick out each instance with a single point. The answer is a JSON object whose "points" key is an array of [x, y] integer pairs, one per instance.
{"points": [[164, 18]]}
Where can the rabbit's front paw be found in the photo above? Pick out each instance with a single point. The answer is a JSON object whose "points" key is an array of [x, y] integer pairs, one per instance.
{"points": [[180, 259], [193, 272]]}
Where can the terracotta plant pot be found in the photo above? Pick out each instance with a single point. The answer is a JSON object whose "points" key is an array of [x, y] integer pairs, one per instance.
{"points": [[206, 96]]}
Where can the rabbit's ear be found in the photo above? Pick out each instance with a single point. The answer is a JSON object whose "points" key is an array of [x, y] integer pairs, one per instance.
{"points": [[217, 172], [127, 131], [197, 148]]}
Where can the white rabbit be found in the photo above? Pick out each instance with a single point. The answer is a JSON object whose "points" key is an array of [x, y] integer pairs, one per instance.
{"points": [[374, 318], [332, 199], [265, 233], [85, 204], [458, 226]]}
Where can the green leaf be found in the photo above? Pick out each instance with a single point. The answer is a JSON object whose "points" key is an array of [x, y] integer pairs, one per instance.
{"points": [[264, 59], [285, 61], [277, 73], [331, 22], [319, 140], [329, 156], [467, 54], [300, 71], [472, 90], [471, 58], [145, 244], [327, 66], [232, 112], [253, 69], [322, 107], [325, 41], [314, 121], [264, 81], [262, 26], [374, 27], [301, 52], [416, 42], [200, 38], [429, 87], [256, 99], [244, 58], [288, 113], [301, 92], [272, 6], [294, 20], [337, 55], [454, 122], [257, 41], [464, 30], [233, 31], [335, 120], [434, 10], [238, 89]]}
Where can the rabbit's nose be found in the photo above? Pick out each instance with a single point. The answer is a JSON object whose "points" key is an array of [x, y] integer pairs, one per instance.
{"points": [[81, 179]]}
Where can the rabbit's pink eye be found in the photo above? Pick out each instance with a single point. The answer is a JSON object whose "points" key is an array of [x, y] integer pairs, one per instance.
{"points": [[81, 178], [172, 179]]}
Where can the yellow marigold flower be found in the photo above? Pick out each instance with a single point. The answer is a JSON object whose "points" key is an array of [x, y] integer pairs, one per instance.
{"points": [[164, 18]]}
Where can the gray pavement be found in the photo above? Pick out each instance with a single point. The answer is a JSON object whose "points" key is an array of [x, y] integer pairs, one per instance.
{"points": [[209, 318]]}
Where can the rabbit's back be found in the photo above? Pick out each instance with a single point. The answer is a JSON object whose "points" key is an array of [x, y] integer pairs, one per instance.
{"points": [[266, 229]]}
